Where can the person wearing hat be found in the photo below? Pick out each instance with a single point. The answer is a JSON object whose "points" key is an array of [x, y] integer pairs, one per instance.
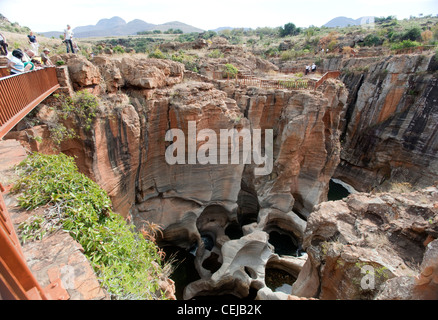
{"points": [[45, 57]]}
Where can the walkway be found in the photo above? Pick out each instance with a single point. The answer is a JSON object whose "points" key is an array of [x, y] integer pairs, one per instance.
{"points": [[291, 84], [20, 94]]}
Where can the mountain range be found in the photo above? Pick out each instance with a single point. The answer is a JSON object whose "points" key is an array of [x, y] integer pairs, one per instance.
{"points": [[116, 26], [345, 22]]}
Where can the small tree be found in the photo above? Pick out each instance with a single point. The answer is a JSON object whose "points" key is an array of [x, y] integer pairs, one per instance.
{"points": [[413, 34], [230, 71], [289, 29], [372, 40]]}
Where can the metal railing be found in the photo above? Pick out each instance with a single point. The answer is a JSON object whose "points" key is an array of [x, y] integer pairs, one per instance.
{"points": [[16, 280], [298, 84], [293, 70], [411, 50], [20, 93], [326, 76]]}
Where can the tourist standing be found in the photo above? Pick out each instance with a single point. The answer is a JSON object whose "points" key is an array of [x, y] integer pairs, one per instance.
{"points": [[313, 67], [68, 39], [33, 42]]}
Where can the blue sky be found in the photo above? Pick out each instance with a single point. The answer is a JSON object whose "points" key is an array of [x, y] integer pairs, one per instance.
{"points": [[53, 15]]}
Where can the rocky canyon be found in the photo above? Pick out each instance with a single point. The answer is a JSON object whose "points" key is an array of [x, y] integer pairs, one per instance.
{"points": [[374, 126]]}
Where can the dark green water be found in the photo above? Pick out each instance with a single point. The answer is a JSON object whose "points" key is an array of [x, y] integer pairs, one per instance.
{"points": [[336, 191], [185, 271], [283, 244]]}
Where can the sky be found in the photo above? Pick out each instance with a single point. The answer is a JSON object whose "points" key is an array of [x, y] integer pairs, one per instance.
{"points": [[54, 15]]}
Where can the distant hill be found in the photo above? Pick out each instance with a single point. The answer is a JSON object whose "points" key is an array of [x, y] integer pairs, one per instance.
{"points": [[116, 26], [176, 25], [345, 22]]}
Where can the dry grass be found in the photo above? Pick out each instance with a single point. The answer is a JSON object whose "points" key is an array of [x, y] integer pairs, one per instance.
{"points": [[16, 40], [401, 187]]}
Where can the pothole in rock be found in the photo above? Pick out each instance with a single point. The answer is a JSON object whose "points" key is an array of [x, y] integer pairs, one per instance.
{"points": [[337, 190], [233, 231], [212, 263], [184, 271], [279, 280], [285, 244]]}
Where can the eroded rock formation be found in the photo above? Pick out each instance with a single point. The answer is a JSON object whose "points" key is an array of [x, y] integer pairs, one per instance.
{"points": [[224, 213], [231, 219], [388, 236], [390, 131]]}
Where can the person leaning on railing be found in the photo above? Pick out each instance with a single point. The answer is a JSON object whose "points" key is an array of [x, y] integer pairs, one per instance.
{"points": [[45, 57], [15, 64]]}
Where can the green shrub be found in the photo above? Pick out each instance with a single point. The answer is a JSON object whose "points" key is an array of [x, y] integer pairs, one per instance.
{"points": [[230, 70], [272, 52], [59, 133], [413, 34], [157, 54], [127, 264], [287, 55], [83, 105], [216, 53], [405, 44], [119, 49], [372, 40]]}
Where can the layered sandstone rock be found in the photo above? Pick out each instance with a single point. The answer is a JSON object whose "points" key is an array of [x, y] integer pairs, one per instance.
{"points": [[390, 125], [306, 145], [198, 204], [370, 243]]}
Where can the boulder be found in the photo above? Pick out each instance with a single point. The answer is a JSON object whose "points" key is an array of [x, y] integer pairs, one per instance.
{"points": [[367, 243]]}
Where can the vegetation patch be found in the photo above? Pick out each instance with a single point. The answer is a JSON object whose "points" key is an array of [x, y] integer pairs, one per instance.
{"points": [[128, 264]]}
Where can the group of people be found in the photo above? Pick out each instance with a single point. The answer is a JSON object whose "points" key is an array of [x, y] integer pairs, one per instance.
{"points": [[311, 68], [20, 61]]}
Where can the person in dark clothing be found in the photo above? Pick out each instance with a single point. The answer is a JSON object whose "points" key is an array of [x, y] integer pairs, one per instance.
{"points": [[33, 42], [3, 45]]}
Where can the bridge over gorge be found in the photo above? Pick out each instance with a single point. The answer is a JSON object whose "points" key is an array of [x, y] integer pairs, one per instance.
{"points": [[21, 93]]}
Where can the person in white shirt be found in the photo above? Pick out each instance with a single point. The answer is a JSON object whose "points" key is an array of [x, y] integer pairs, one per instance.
{"points": [[15, 63], [313, 67], [307, 69], [68, 39]]}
